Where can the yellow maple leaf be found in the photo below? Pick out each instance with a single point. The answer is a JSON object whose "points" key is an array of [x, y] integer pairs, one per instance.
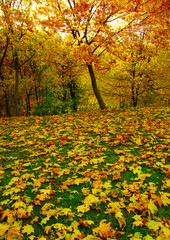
{"points": [[138, 142], [68, 236], [35, 219], [74, 224], [148, 237], [138, 220], [42, 238], [88, 222], [107, 185], [3, 229], [118, 214], [85, 191], [119, 151], [65, 211], [30, 208], [104, 230], [164, 198], [115, 206], [77, 181], [89, 237], [31, 237], [161, 237], [77, 232], [90, 199], [96, 160], [28, 229], [10, 218], [21, 212], [121, 220], [166, 232], [1, 172], [9, 214], [14, 232], [167, 181], [154, 225], [59, 226], [152, 207], [46, 207], [42, 197], [19, 204], [36, 169], [47, 229], [45, 191], [45, 220], [83, 208]]}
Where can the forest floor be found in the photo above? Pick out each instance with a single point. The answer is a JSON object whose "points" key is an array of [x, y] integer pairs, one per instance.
{"points": [[90, 175]]}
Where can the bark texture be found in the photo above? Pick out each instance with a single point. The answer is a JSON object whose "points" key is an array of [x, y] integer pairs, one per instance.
{"points": [[95, 88]]}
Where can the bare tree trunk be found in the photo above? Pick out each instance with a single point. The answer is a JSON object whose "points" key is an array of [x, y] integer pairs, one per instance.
{"points": [[72, 87], [28, 104], [36, 94], [16, 67], [133, 87], [8, 112], [134, 95], [95, 88]]}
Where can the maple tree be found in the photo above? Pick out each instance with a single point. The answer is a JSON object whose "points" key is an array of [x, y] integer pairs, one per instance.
{"points": [[3, 88], [93, 28], [94, 25], [15, 22], [42, 71], [130, 69], [138, 69], [59, 90]]}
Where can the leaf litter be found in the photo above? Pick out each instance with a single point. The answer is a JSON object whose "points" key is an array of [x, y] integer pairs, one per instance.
{"points": [[90, 175]]}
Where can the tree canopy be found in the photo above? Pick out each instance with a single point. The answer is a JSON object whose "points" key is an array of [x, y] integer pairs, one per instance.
{"points": [[38, 35]]}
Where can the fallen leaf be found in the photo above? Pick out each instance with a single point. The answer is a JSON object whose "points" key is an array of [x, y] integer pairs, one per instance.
{"points": [[152, 207], [28, 229], [3, 229]]}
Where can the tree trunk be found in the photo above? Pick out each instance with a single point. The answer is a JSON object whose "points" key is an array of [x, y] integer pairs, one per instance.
{"points": [[28, 104], [36, 94], [8, 112], [95, 88], [134, 95], [134, 89], [16, 67], [64, 97], [72, 87]]}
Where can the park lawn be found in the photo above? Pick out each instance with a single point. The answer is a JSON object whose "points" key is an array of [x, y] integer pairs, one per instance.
{"points": [[89, 175]]}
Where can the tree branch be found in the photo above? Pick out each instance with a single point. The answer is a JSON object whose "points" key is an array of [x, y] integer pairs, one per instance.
{"points": [[26, 60], [5, 51]]}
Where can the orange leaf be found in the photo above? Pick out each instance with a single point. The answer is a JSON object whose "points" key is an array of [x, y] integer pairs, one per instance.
{"points": [[104, 230], [35, 219]]}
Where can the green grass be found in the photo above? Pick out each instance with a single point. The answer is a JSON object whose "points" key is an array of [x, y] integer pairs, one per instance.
{"points": [[85, 176]]}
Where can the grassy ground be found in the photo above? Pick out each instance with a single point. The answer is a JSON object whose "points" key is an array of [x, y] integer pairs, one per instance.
{"points": [[94, 175]]}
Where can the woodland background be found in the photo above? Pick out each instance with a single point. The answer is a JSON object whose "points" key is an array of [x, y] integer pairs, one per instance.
{"points": [[66, 56]]}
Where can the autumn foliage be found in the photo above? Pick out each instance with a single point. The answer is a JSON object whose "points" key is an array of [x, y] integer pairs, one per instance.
{"points": [[53, 51]]}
